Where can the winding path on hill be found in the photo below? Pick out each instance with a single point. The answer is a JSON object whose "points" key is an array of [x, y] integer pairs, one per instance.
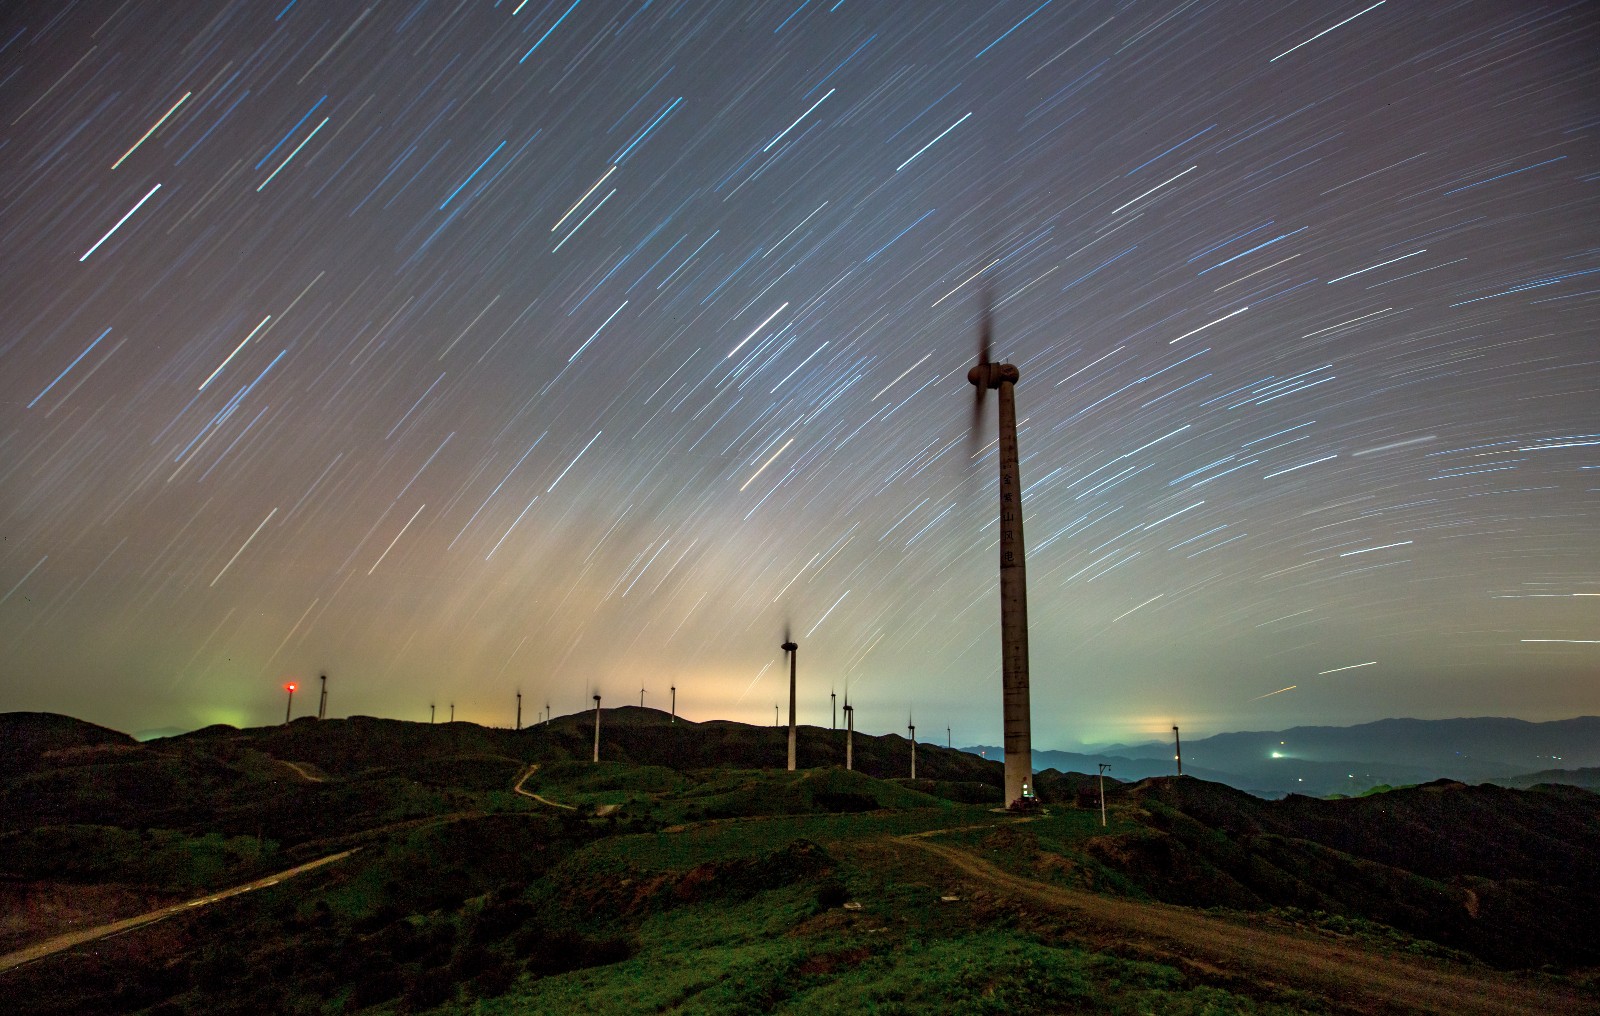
{"points": [[302, 772], [533, 768], [1349, 977], [39, 950]]}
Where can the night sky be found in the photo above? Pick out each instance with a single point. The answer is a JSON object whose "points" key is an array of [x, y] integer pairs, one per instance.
{"points": [[454, 347]]}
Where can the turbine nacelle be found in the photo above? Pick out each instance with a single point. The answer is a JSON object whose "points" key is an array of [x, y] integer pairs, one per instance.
{"points": [[992, 375]]}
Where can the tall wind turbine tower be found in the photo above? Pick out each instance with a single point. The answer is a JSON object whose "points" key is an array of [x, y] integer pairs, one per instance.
{"points": [[322, 703], [793, 651], [597, 728], [1017, 724], [913, 728], [849, 733]]}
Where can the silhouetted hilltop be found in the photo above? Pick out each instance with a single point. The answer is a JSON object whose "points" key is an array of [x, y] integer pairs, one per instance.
{"points": [[1505, 874], [345, 747], [492, 862], [242, 781], [27, 738]]}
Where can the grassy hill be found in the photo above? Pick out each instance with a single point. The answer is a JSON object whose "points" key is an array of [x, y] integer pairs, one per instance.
{"points": [[503, 871]]}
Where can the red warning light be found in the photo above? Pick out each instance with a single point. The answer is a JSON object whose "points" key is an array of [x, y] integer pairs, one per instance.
{"points": [[291, 686]]}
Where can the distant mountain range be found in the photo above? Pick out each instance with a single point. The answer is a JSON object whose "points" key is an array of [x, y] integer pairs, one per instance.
{"points": [[1350, 760]]}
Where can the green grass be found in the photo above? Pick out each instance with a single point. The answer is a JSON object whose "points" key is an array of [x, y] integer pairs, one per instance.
{"points": [[158, 859], [1052, 847], [773, 954], [664, 796]]}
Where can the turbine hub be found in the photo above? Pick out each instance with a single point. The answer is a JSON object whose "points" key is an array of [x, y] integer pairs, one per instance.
{"points": [[992, 375], [788, 647]]}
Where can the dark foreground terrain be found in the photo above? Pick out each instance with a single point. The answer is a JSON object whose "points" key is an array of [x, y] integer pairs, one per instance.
{"points": [[374, 865]]}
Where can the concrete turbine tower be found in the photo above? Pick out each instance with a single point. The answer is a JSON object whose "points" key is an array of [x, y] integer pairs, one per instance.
{"points": [[793, 651], [322, 703], [597, 728], [849, 733], [912, 727], [1018, 732]]}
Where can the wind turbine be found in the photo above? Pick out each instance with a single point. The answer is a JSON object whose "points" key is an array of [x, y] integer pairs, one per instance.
{"points": [[912, 727], [793, 651], [1017, 725], [849, 732]]}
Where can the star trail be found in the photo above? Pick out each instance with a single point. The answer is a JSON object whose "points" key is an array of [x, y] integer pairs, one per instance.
{"points": [[455, 349]]}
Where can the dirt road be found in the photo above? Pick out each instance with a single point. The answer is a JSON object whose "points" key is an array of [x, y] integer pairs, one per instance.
{"points": [[1350, 977], [40, 950], [528, 793], [301, 771]]}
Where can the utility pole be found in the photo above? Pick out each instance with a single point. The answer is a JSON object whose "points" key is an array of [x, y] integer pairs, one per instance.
{"points": [[1177, 749], [322, 703], [597, 728], [290, 689], [1103, 768]]}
